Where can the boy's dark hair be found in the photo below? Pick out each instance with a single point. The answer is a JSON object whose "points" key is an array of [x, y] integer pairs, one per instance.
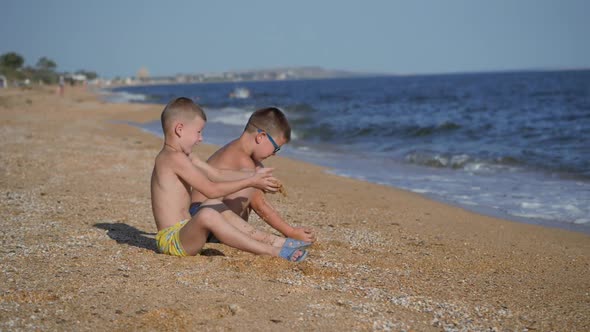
{"points": [[183, 108], [272, 120]]}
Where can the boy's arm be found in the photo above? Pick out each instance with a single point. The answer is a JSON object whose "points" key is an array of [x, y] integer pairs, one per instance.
{"points": [[219, 175], [263, 208], [197, 179]]}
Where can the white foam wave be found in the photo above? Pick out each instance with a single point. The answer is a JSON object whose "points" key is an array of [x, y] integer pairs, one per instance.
{"points": [[421, 191], [532, 215], [231, 116], [568, 213], [572, 209], [120, 97], [460, 161], [530, 205]]}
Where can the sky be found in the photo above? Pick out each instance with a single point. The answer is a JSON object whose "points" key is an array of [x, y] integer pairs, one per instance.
{"points": [[118, 37]]}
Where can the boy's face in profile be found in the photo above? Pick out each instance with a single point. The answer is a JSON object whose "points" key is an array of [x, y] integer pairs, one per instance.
{"points": [[268, 145], [192, 133]]}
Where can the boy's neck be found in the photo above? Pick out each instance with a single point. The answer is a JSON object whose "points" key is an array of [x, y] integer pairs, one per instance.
{"points": [[171, 147], [173, 144], [245, 144]]}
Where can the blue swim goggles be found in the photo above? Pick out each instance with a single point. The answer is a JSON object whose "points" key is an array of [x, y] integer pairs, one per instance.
{"points": [[272, 141]]}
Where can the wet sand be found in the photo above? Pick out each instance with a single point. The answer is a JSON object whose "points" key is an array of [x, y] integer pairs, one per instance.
{"points": [[78, 251]]}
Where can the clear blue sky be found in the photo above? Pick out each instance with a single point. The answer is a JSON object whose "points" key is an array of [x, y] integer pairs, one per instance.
{"points": [[168, 37]]}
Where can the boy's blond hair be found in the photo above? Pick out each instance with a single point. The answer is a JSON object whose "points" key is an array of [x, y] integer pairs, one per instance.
{"points": [[180, 108], [272, 120]]}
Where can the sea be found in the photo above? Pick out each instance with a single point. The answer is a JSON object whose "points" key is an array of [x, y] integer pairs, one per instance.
{"points": [[514, 145]]}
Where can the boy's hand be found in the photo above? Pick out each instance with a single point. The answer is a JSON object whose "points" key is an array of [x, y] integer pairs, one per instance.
{"points": [[264, 180], [303, 233]]}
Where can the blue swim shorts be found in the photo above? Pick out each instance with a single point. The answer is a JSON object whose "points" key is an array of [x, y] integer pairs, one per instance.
{"points": [[193, 209]]}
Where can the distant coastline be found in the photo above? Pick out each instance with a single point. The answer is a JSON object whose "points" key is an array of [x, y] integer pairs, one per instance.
{"points": [[289, 74], [237, 76]]}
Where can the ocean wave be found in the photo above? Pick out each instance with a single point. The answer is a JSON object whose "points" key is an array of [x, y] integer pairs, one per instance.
{"points": [[363, 129], [421, 131], [121, 97], [438, 160], [300, 114], [462, 161], [300, 108], [433, 98], [322, 132], [232, 116], [340, 96]]}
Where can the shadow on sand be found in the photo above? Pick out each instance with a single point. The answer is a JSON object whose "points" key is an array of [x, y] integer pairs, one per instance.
{"points": [[125, 234]]}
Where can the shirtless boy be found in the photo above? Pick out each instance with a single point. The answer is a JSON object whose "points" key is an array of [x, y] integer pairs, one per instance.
{"points": [[177, 170], [266, 131]]}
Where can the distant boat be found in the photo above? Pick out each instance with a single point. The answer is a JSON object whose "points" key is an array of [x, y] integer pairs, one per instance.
{"points": [[240, 93]]}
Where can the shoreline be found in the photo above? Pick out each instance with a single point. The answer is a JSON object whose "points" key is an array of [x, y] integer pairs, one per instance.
{"points": [[482, 210], [79, 252], [475, 208]]}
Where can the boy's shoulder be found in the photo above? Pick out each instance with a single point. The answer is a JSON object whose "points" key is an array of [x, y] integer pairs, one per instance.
{"points": [[169, 159], [232, 157]]}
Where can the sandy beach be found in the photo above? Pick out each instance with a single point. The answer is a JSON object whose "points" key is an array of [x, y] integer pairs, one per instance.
{"points": [[78, 251]]}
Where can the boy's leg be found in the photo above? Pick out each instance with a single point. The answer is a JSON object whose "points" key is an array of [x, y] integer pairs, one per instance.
{"points": [[262, 236], [194, 234], [239, 202], [243, 226]]}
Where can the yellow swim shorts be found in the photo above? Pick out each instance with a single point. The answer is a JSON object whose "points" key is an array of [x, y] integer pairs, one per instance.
{"points": [[168, 240]]}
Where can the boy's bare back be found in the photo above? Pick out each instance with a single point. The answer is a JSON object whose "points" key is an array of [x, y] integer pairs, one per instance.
{"points": [[170, 194], [232, 157]]}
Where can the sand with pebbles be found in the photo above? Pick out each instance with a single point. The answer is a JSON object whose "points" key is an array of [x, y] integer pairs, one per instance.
{"points": [[78, 251]]}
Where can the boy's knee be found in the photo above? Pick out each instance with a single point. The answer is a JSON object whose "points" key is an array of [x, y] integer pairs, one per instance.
{"points": [[206, 215]]}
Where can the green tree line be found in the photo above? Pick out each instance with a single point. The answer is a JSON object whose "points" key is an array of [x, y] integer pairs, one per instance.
{"points": [[12, 65]]}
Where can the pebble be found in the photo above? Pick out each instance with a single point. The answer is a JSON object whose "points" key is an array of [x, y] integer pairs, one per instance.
{"points": [[234, 308]]}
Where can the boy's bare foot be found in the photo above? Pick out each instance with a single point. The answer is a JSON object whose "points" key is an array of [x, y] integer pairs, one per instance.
{"points": [[293, 254], [298, 256]]}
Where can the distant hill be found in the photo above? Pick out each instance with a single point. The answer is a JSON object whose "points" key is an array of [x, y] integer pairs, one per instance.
{"points": [[297, 72], [271, 74]]}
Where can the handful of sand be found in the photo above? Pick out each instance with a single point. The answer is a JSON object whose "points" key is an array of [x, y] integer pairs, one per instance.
{"points": [[282, 189]]}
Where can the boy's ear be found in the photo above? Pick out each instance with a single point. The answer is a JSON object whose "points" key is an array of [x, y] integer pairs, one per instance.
{"points": [[258, 138], [178, 129]]}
